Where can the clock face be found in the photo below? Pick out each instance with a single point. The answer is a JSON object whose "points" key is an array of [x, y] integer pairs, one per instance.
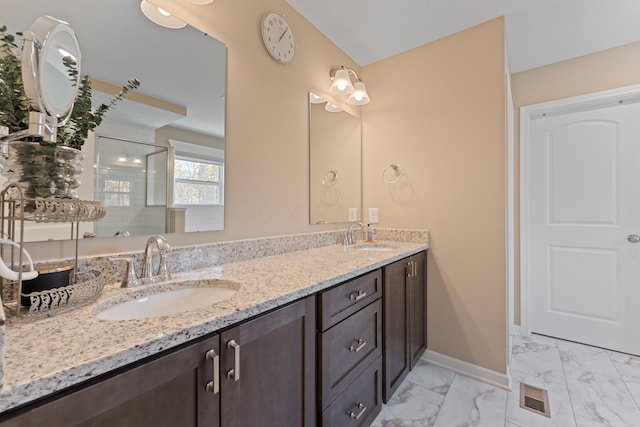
{"points": [[278, 37]]}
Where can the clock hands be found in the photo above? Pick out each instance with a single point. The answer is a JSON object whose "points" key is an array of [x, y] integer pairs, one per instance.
{"points": [[283, 33]]}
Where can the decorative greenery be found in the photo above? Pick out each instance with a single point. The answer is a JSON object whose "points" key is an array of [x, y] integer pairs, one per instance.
{"points": [[15, 107]]}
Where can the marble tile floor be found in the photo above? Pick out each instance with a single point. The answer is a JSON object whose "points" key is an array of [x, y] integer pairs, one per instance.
{"points": [[587, 387]]}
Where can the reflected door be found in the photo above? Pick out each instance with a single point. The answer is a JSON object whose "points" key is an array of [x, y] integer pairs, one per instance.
{"points": [[584, 209]]}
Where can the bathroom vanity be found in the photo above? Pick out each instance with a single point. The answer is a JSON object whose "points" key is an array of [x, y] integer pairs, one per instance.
{"points": [[300, 343]]}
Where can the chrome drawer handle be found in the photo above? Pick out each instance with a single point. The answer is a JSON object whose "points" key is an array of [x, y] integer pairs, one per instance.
{"points": [[361, 410], [357, 296], [234, 373], [360, 346], [213, 386]]}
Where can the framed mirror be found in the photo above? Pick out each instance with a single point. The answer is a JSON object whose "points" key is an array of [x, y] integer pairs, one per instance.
{"points": [[335, 163], [181, 98]]}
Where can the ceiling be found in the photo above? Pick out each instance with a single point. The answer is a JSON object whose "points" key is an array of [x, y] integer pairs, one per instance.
{"points": [[539, 32]]}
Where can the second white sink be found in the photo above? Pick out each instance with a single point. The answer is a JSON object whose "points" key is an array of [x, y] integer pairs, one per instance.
{"points": [[163, 303]]}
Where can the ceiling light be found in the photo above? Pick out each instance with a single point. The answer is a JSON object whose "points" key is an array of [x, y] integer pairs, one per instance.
{"points": [[200, 1], [160, 16], [341, 85]]}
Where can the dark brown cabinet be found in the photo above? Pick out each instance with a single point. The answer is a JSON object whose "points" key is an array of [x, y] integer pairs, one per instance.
{"points": [[268, 369], [168, 391], [266, 377], [350, 350], [404, 324]]}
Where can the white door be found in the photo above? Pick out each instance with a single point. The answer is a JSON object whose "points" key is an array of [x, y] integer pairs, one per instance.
{"points": [[583, 210]]}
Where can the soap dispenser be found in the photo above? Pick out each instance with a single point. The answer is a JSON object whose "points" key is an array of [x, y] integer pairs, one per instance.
{"points": [[369, 233]]}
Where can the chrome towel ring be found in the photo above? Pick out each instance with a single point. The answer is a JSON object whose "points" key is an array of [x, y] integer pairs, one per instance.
{"points": [[330, 178], [387, 175]]}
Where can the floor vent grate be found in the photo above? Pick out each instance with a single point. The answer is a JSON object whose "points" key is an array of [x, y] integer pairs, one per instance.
{"points": [[534, 399]]}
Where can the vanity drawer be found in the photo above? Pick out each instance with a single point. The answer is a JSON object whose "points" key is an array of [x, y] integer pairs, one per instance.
{"points": [[347, 349], [338, 303], [361, 400]]}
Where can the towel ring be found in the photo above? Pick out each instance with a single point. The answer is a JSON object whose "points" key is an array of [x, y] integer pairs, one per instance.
{"points": [[9, 274], [330, 178], [396, 168]]}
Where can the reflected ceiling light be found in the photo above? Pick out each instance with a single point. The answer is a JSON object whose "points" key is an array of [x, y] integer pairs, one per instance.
{"points": [[332, 108], [160, 16], [315, 99], [341, 85], [200, 1]]}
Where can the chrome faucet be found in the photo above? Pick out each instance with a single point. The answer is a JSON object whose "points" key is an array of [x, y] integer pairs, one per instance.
{"points": [[160, 243], [349, 238], [130, 278]]}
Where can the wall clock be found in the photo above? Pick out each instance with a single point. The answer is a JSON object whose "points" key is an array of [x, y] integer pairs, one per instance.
{"points": [[278, 37]]}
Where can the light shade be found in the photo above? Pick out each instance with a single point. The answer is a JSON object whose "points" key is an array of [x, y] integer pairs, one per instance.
{"points": [[359, 96], [332, 108], [200, 1], [160, 16], [341, 84], [315, 99]]}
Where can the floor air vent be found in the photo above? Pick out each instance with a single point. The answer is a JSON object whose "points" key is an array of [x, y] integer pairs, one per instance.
{"points": [[534, 399]]}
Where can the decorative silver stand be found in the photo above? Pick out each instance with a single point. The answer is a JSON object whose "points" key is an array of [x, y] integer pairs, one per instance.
{"points": [[15, 210]]}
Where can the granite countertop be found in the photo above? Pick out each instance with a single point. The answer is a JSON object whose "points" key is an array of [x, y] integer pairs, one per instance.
{"points": [[47, 355]]}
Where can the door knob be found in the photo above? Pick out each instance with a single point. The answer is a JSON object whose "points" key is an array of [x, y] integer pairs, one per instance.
{"points": [[633, 238]]}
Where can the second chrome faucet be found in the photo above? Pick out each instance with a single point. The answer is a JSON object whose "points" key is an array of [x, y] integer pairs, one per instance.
{"points": [[155, 244]]}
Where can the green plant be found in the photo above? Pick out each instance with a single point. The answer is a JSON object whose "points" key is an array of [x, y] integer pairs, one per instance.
{"points": [[15, 107]]}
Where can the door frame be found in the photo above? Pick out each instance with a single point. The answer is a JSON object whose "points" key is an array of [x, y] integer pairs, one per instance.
{"points": [[608, 98]]}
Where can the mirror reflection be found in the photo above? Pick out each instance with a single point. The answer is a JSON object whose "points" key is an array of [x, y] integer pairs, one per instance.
{"points": [[335, 165], [181, 100]]}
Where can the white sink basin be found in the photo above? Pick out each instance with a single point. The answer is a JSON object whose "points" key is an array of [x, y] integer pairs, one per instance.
{"points": [[380, 247], [158, 302]]}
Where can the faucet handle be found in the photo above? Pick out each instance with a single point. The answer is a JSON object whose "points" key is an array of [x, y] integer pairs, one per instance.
{"points": [[163, 270], [129, 278]]}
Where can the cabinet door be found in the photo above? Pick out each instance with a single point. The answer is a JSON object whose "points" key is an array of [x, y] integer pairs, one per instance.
{"points": [[417, 308], [169, 391], [268, 369], [395, 327]]}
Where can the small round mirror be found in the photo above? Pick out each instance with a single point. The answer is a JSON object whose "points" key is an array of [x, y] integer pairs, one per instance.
{"points": [[51, 66]]}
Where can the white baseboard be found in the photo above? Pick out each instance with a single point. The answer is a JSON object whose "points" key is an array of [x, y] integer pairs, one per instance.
{"points": [[479, 373], [516, 330]]}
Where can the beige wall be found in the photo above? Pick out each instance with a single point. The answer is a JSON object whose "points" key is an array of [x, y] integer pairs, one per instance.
{"points": [[600, 71], [442, 120]]}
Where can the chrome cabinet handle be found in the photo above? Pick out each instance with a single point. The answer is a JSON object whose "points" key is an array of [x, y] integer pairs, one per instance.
{"points": [[234, 373], [413, 270], [358, 347], [213, 386], [356, 415], [633, 238], [357, 296]]}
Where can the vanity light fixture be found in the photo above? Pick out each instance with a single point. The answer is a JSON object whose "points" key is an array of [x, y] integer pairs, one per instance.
{"points": [[160, 16], [341, 85]]}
